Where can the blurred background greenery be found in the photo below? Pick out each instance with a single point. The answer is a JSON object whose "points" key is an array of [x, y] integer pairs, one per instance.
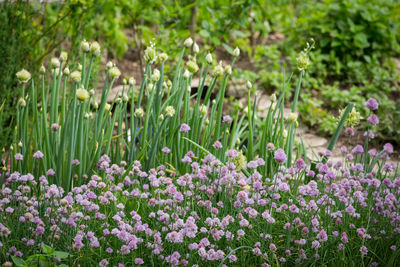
{"points": [[357, 52]]}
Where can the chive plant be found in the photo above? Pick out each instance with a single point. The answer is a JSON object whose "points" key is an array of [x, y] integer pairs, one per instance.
{"points": [[157, 122]]}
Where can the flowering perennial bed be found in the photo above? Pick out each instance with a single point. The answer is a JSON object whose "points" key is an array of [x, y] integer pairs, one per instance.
{"points": [[212, 214]]}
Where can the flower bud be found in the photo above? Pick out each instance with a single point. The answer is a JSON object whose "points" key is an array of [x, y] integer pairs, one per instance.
{"points": [[20, 143], [196, 48], [203, 110], [139, 112], [79, 67], [23, 76], [218, 69], [161, 117], [66, 71], [82, 94], [55, 63], [206, 121], [292, 117], [85, 47], [186, 74], [302, 61], [163, 57], [169, 111], [192, 66], [107, 107], [273, 98], [76, 76], [131, 81], [209, 58], [156, 75], [21, 102], [109, 65], [236, 52], [55, 127], [228, 70], [63, 56], [188, 42], [91, 92], [95, 105], [249, 85], [42, 70], [150, 54], [124, 81], [115, 72], [95, 48]]}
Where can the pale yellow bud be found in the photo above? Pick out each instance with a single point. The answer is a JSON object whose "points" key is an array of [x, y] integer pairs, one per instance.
{"points": [[82, 94], [23, 76], [188, 42]]}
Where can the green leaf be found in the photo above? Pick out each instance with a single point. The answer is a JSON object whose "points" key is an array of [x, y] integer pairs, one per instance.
{"points": [[204, 33], [228, 48], [47, 249], [61, 254], [361, 40], [18, 261]]}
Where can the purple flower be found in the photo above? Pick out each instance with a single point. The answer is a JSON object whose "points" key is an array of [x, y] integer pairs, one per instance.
{"points": [[50, 172], [226, 119], [217, 145], [300, 164], [272, 247], [373, 119], [322, 236], [364, 250], [38, 155], [166, 150], [185, 128], [372, 104], [139, 261], [232, 153], [358, 149], [103, 263], [280, 156], [75, 162], [252, 164], [18, 157], [349, 131], [388, 148]]}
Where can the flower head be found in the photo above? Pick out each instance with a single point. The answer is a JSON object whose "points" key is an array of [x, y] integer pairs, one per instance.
{"points": [[184, 128], [372, 104], [23, 76], [280, 156]]}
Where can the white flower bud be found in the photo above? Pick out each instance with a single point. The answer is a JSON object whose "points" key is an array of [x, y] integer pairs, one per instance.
{"points": [[203, 110], [85, 47], [82, 94], [192, 66], [107, 107], [273, 98], [91, 92], [109, 65], [150, 54], [209, 58], [23, 76], [169, 111], [196, 48], [163, 57], [20, 144], [95, 48], [249, 85], [66, 71], [115, 72], [236, 52], [156, 75], [228, 70], [63, 56], [76, 76], [79, 67], [139, 113], [292, 117], [218, 70], [161, 117], [188, 42], [21, 102], [42, 70], [131, 81], [186, 74]]}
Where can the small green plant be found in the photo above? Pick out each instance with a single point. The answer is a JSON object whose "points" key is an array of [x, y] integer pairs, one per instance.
{"points": [[48, 257]]}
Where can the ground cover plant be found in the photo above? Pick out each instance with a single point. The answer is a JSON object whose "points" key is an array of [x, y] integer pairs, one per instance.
{"points": [[163, 176]]}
